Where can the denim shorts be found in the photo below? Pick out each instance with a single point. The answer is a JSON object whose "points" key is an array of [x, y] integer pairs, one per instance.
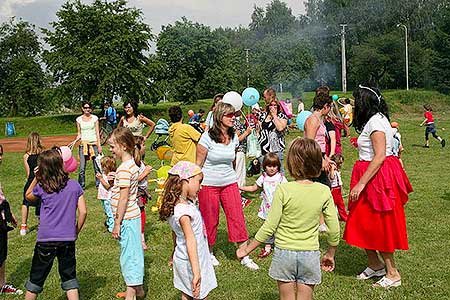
{"points": [[299, 266]]}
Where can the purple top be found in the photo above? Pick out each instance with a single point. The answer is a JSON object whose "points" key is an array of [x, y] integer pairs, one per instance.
{"points": [[58, 213]]}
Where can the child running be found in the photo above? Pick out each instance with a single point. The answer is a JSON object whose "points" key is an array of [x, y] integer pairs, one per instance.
{"points": [[143, 194], [336, 185], [294, 219], [268, 181], [34, 147], [59, 227], [430, 128], [127, 216], [193, 272], [6, 218], [106, 179]]}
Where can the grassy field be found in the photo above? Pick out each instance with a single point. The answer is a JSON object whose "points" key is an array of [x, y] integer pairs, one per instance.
{"points": [[424, 268]]}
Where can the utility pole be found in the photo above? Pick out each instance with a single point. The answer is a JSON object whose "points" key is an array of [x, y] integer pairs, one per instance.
{"points": [[406, 54], [343, 58], [248, 66]]}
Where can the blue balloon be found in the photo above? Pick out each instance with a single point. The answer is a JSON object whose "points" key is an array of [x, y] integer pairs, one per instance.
{"points": [[335, 97], [250, 96], [301, 119], [289, 121]]}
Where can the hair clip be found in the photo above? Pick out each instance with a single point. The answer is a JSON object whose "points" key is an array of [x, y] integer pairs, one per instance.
{"points": [[368, 88]]}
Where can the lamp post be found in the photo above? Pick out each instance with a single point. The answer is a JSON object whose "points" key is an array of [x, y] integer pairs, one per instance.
{"points": [[406, 54]]}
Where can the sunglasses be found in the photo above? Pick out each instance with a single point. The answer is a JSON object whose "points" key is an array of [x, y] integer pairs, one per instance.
{"points": [[230, 115], [86, 107]]}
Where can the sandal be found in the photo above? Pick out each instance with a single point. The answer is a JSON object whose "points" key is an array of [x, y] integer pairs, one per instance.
{"points": [[387, 283], [264, 253], [369, 273]]}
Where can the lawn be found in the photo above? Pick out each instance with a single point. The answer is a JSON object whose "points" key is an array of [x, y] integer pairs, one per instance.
{"points": [[424, 268]]}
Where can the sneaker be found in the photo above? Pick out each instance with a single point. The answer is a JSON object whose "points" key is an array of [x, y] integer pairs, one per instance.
{"points": [[323, 228], [214, 260], [426, 146], [249, 263], [23, 229], [443, 143], [245, 202], [10, 289]]}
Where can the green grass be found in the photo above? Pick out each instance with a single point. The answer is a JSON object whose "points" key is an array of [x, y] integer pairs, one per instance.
{"points": [[424, 268]]}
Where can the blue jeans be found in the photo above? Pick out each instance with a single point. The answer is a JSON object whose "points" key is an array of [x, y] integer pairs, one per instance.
{"points": [[81, 176]]}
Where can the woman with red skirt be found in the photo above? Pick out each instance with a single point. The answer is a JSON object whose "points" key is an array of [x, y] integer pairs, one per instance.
{"points": [[379, 190]]}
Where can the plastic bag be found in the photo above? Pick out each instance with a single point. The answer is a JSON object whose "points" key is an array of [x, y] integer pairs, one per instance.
{"points": [[253, 148]]}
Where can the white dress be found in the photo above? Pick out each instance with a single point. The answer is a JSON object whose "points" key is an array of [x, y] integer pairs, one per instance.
{"points": [[269, 185], [182, 271]]}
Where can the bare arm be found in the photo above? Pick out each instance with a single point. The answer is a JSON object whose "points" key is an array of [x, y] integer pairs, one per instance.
{"points": [[123, 199], [145, 173], [378, 139], [120, 122], [246, 248], [249, 188], [202, 152], [78, 131], [311, 127], [280, 124], [105, 183], [25, 164], [191, 245], [150, 124], [332, 135], [243, 135], [423, 122], [29, 193], [82, 213]]}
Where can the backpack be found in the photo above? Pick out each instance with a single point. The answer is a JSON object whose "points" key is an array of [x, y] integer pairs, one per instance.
{"points": [[112, 117]]}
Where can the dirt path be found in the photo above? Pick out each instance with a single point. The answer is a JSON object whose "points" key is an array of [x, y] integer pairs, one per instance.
{"points": [[19, 144]]}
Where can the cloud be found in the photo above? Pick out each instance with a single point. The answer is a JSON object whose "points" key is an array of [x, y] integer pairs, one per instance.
{"points": [[8, 7]]}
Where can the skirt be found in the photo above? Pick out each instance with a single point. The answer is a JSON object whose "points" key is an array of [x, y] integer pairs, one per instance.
{"points": [[377, 219]]}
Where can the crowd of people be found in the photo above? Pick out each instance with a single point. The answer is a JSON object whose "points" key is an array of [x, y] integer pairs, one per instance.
{"points": [[208, 172]]}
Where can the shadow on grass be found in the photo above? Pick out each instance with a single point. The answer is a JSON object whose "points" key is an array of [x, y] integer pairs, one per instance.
{"points": [[90, 282], [222, 244], [350, 260], [446, 196], [268, 295], [21, 272]]}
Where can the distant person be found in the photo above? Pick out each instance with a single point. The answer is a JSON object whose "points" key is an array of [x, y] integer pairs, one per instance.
{"points": [[379, 189], [90, 146], [336, 185], [110, 116], [347, 111], [198, 116], [301, 106], [34, 148], [397, 145], [184, 137], [193, 272], [294, 219], [242, 130], [62, 199], [209, 118], [6, 218], [430, 127]]}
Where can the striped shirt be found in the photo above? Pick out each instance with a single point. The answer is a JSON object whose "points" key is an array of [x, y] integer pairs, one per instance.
{"points": [[126, 176]]}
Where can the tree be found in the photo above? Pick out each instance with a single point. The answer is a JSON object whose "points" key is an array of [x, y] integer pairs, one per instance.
{"points": [[99, 51], [441, 57], [22, 79]]}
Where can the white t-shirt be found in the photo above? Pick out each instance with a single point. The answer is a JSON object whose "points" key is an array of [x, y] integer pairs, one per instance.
{"points": [[87, 129], [143, 184], [218, 167], [337, 180], [377, 122]]}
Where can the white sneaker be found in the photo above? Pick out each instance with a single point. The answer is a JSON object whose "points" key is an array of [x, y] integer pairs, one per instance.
{"points": [[323, 228], [214, 260], [249, 263], [23, 229]]}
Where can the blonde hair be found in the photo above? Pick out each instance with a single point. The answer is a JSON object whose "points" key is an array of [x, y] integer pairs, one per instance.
{"points": [[334, 113], [124, 137], [304, 159], [108, 164], [34, 144]]}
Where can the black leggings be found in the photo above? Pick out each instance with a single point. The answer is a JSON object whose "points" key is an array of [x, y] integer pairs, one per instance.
{"points": [[430, 129]]}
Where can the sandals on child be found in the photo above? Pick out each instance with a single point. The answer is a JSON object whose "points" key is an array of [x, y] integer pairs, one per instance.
{"points": [[387, 283], [369, 273]]}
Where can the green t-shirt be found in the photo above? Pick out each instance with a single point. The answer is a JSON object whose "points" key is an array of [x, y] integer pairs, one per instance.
{"points": [[294, 217]]}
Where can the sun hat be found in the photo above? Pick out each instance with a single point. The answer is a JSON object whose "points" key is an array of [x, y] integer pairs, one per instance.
{"points": [[185, 169]]}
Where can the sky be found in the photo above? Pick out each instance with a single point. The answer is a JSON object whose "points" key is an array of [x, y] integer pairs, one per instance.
{"points": [[214, 13]]}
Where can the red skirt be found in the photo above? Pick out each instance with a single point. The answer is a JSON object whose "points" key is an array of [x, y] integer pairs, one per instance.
{"points": [[377, 219]]}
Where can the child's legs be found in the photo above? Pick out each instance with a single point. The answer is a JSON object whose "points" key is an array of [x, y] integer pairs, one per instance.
{"points": [[106, 203], [41, 264], [304, 291], [134, 292], [72, 294], [339, 202], [67, 266], [3, 255], [131, 253], [24, 214], [230, 199], [185, 297], [143, 218], [208, 200], [287, 290]]}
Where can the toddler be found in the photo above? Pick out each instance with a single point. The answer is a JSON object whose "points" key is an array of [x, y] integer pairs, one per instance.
{"points": [[336, 185], [106, 178]]}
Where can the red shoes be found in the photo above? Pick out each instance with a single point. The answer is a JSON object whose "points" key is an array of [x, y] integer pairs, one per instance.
{"points": [[264, 252]]}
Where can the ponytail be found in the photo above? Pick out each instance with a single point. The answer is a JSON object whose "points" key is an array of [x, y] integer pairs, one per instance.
{"points": [[137, 154]]}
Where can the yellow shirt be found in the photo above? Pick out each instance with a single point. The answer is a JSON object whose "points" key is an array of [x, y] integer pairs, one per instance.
{"points": [[184, 140]]}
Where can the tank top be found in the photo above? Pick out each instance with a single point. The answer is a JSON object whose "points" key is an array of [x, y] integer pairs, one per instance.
{"points": [[321, 135], [32, 163], [136, 126]]}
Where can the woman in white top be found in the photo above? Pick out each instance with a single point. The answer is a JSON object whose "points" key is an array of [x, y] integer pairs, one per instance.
{"points": [[209, 118], [216, 152], [136, 121], [90, 146], [378, 191]]}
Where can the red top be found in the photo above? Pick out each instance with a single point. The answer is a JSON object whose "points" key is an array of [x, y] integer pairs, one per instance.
{"points": [[429, 116]]}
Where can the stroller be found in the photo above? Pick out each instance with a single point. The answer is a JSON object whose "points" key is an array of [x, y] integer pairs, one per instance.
{"points": [[161, 129]]}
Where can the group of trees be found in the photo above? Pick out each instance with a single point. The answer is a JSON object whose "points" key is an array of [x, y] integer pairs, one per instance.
{"points": [[102, 50]]}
